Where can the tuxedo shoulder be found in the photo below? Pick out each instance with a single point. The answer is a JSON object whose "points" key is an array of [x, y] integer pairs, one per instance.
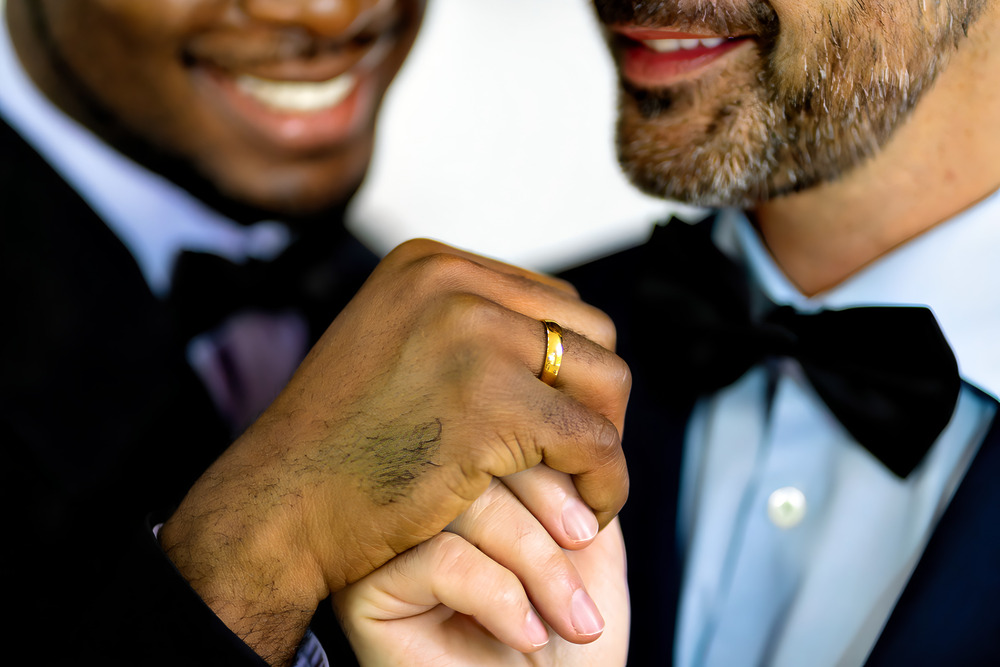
{"points": [[603, 281]]}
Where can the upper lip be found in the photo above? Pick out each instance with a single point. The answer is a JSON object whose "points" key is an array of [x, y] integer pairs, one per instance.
{"points": [[640, 33], [291, 54]]}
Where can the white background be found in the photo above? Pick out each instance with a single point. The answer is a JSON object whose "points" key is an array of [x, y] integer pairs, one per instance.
{"points": [[498, 137]]}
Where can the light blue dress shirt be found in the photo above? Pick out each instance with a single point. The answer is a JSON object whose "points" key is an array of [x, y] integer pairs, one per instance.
{"points": [[797, 541]]}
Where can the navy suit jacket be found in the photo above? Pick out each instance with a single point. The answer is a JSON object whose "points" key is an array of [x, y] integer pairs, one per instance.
{"points": [[949, 613]]}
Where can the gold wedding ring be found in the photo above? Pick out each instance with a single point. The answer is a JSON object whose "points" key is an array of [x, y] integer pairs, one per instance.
{"points": [[553, 352]]}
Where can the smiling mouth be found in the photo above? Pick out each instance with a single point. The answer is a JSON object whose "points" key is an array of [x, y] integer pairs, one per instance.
{"points": [[656, 58], [304, 96], [298, 96], [293, 71]]}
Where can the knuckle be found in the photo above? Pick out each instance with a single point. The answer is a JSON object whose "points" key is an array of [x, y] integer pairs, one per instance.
{"points": [[439, 270], [449, 552], [507, 590], [456, 326], [611, 387], [625, 373], [555, 569], [614, 491], [411, 250], [623, 377], [470, 313], [465, 480], [565, 285], [607, 441], [454, 317], [520, 450], [500, 454], [605, 452], [605, 331]]}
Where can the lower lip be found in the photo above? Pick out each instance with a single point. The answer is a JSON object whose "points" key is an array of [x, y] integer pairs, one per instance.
{"points": [[295, 131], [646, 68]]}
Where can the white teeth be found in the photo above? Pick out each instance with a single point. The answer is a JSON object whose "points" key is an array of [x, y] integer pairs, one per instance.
{"points": [[299, 96], [671, 45], [663, 45]]}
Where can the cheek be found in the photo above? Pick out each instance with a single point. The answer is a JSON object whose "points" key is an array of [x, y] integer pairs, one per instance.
{"points": [[108, 40], [810, 39], [150, 18], [128, 56], [841, 54]]}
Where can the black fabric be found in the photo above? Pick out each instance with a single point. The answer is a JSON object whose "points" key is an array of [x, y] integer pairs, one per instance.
{"points": [[150, 604], [887, 373], [948, 612], [102, 422], [652, 440], [321, 267]]}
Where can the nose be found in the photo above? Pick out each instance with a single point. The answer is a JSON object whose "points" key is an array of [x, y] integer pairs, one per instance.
{"points": [[327, 18]]}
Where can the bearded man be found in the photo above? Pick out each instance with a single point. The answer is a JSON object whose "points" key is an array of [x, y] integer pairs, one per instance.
{"points": [[812, 426]]}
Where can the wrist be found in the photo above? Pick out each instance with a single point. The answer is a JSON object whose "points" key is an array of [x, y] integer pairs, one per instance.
{"points": [[249, 570]]}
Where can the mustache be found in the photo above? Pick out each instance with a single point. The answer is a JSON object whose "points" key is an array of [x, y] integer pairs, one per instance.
{"points": [[719, 17]]}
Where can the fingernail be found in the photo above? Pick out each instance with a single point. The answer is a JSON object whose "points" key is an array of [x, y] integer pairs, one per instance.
{"points": [[584, 615], [535, 631], [578, 520]]}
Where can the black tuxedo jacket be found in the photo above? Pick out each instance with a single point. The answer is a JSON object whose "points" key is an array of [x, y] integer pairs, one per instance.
{"points": [[104, 427], [949, 613]]}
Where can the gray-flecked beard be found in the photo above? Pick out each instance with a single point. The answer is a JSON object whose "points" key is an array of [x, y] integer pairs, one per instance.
{"points": [[796, 113]]}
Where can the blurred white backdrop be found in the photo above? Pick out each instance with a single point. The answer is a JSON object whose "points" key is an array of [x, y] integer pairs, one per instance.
{"points": [[498, 138]]}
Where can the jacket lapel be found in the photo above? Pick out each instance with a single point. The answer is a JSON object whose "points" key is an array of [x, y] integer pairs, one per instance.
{"points": [[949, 612]]}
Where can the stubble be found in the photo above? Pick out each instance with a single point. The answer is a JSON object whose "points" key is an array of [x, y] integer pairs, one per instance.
{"points": [[813, 96]]}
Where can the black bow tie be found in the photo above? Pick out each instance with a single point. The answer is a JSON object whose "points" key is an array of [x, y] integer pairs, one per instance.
{"points": [[316, 276], [886, 373]]}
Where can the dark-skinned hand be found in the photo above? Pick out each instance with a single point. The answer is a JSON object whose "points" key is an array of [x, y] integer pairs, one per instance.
{"points": [[422, 392]]}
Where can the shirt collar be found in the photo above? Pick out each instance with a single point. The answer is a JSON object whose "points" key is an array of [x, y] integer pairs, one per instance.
{"points": [[153, 217], [951, 269]]}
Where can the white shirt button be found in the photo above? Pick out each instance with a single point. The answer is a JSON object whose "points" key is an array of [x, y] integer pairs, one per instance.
{"points": [[786, 507]]}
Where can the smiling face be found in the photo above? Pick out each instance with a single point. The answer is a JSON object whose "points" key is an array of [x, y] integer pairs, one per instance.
{"points": [[733, 102], [272, 102]]}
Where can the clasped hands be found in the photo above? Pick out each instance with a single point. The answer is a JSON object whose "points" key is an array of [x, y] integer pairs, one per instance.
{"points": [[417, 468]]}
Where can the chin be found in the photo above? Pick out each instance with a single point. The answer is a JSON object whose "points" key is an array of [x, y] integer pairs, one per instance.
{"points": [[296, 191]]}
